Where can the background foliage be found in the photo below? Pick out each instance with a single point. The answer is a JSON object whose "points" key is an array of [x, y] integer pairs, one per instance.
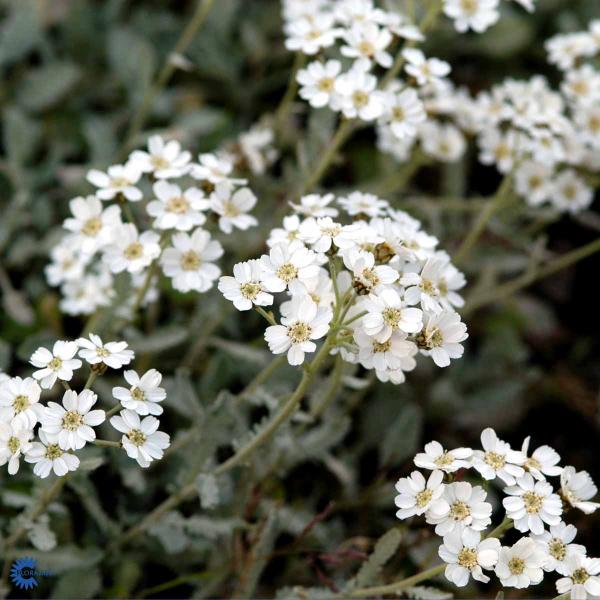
{"points": [[312, 503]]}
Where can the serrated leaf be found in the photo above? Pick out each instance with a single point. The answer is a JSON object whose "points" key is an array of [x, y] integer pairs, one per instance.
{"points": [[170, 532], [48, 84], [384, 549], [21, 135], [41, 536], [162, 339], [401, 438], [208, 490]]}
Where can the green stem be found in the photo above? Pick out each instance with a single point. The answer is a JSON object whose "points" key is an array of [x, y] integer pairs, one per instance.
{"points": [[268, 316], [107, 444], [90, 380], [332, 391], [186, 38], [504, 290], [398, 180], [290, 93], [488, 211], [113, 411], [262, 376]]}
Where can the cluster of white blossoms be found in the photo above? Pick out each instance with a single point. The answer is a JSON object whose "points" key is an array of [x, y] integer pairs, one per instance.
{"points": [[462, 515], [49, 434], [377, 287], [182, 201]]}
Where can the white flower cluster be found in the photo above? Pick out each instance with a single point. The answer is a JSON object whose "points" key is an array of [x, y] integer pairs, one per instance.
{"points": [[461, 514], [178, 197], [67, 427], [387, 294]]}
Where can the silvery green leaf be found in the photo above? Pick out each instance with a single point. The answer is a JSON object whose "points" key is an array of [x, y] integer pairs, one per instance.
{"points": [[170, 532], [47, 85], [208, 490], [403, 434], [426, 593], [20, 31], [80, 583], [41, 536], [384, 549]]}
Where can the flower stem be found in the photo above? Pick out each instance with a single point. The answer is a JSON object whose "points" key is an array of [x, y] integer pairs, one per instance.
{"points": [[290, 93], [107, 443], [398, 179], [262, 376], [90, 380], [268, 316], [168, 68], [488, 211]]}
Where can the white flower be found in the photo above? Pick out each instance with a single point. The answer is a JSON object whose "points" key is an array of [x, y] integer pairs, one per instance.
{"points": [[444, 142], [19, 402], [497, 148], [358, 96], [317, 82], [570, 192], [369, 41], [310, 35], [477, 15], [467, 555], [189, 261], [368, 277], [287, 233], [232, 207], [141, 439], [14, 441], [72, 423], [426, 71], [577, 488], [58, 364], [145, 393], [93, 225], [359, 203], [112, 354], [322, 233], [48, 456], [131, 251], [449, 461], [175, 209], [531, 504], [416, 496], [386, 313], [314, 205], [533, 181], [383, 356], [520, 565], [304, 322], [119, 179], [320, 290], [404, 112], [214, 169], [583, 577], [441, 337], [163, 160], [543, 461], [256, 147], [556, 545], [467, 508], [286, 263], [582, 85], [68, 262], [245, 288], [498, 459]]}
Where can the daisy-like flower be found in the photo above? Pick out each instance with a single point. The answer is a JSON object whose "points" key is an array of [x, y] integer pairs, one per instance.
{"points": [[556, 545], [477, 15], [286, 263], [426, 71], [232, 207], [145, 393], [93, 225], [111, 354], [359, 203], [582, 577], [417, 496], [570, 193], [320, 290], [543, 461], [449, 461], [141, 439], [441, 337], [444, 142], [323, 233], [303, 323], [215, 169], [174, 209], [466, 555], [257, 149], [577, 488], [368, 41], [424, 287], [119, 179], [68, 262], [58, 364], [368, 278], [533, 181], [386, 313], [317, 82], [520, 565], [71, 423], [314, 205], [287, 233], [245, 289], [532, 503], [467, 508], [14, 442], [404, 112], [47, 456], [358, 96], [498, 459], [19, 402], [165, 160], [311, 35], [131, 251], [383, 356], [189, 261]]}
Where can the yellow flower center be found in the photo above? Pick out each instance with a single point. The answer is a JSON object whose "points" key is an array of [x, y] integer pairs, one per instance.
{"points": [[494, 460], [423, 498], [366, 48], [287, 272], [137, 394], [55, 364], [325, 85], [190, 261], [580, 576], [391, 317], [533, 502], [178, 205], [13, 444], [381, 347], [467, 558], [134, 251], [516, 566], [250, 290], [459, 511], [20, 403], [136, 437], [230, 210], [72, 421], [92, 226], [158, 162], [360, 99], [445, 460], [557, 549], [53, 451], [299, 332]]}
